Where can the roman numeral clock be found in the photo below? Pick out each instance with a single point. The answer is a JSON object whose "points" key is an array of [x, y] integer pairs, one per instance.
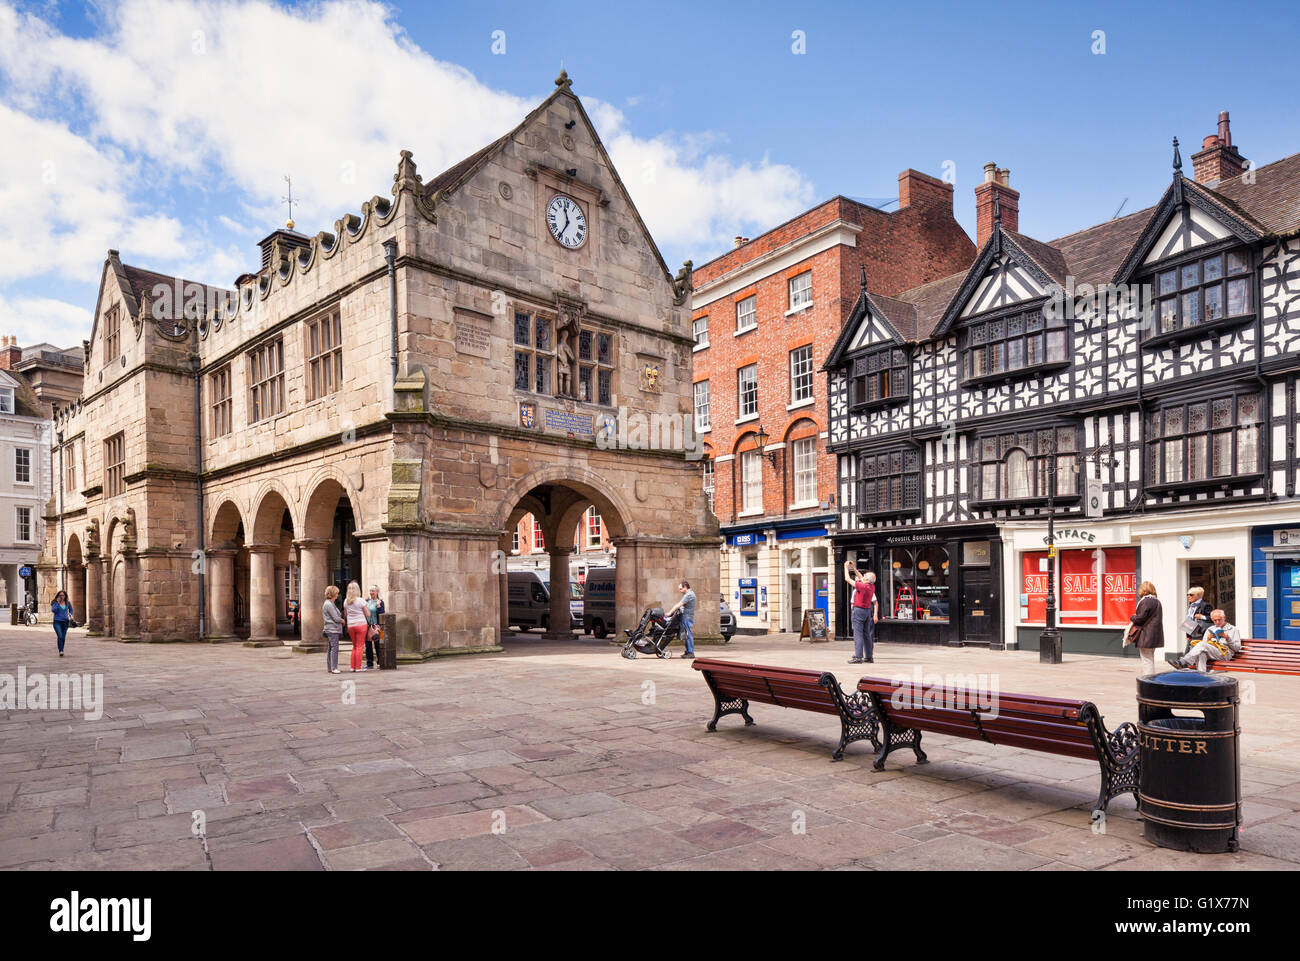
{"points": [[567, 222]]}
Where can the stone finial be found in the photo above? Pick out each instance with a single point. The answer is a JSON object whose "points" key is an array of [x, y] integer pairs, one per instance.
{"points": [[563, 81], [406, 177], [1178, 159], [682, 284]]}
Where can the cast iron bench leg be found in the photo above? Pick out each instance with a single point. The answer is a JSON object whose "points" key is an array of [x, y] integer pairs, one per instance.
{"points": [[896, 737], [858, 722], [721, 708]]}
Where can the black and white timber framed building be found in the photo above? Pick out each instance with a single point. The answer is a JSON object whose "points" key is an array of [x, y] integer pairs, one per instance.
{"points": [[1147, 367]]}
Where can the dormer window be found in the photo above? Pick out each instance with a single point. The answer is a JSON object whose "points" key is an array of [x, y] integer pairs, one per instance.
{"points": [[1015, 344], [1196, 297], [881, 378], [6, 400]]}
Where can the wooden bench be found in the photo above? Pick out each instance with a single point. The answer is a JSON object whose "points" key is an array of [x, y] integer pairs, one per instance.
{"points": [[1263, 657], [1048, 724], [734, 686]]}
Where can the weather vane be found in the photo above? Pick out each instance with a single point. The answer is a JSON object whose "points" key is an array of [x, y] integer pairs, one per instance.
{"points": [[288, 199]]}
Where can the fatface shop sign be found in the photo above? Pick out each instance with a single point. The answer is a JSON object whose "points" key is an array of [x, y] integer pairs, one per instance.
{"points": [[1074, 534]]}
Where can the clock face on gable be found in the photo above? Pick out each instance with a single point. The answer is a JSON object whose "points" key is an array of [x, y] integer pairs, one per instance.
{"points": [[567, 222]]}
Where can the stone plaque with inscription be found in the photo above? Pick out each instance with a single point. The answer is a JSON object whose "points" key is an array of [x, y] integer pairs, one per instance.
{"points": [[473, 333]]}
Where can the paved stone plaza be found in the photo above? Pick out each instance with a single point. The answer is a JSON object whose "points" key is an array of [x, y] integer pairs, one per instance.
{"points": [[556, 744]]}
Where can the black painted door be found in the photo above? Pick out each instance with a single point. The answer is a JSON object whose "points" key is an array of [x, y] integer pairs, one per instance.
{"points": [[979, 615]]}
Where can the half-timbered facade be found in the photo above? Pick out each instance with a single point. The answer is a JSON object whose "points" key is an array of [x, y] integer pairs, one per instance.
{"points": [[1137, 378]]}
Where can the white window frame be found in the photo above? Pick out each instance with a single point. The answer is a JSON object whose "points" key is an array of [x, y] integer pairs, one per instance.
{"points": [[804, 458], [6, 400], [741, 412], [594, 529], [805, 354], [18, 513], [702, 409], [709, 480], [514, 541], [696, 331], [539, 538], [18, 480], [747, 308], [800, 290], [751, 483]]}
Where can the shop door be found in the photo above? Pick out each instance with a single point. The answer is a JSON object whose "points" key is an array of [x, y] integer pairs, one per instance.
{"points": [[1287, 579], [795, 594], [979, 618], [823, 594]]}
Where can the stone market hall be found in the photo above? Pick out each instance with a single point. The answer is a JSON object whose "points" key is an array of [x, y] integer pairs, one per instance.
{"points": [[383, 403]]}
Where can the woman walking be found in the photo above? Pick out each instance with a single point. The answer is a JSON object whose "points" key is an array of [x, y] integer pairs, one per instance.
{"points": [[1197, 621], [63, 614], [354, 609], [333, 629], [1148, 627], [374, 607]]}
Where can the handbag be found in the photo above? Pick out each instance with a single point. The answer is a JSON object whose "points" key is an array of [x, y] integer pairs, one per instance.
{"points": [[1190, 628], [1134, 632]]}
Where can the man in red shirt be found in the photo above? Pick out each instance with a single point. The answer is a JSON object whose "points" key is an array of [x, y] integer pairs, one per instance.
{"points": [[864, 612]]}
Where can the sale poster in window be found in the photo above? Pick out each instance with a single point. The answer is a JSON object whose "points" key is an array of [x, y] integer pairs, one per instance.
{"points": [[1079, 582], [1119, 585], [1033, 586]]}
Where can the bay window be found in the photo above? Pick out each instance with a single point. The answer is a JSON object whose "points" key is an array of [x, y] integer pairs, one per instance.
{"points": [[1017, 466], [1198, 441]]}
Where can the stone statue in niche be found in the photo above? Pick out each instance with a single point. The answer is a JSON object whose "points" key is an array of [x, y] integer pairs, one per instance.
{"points": [[566, 335]]}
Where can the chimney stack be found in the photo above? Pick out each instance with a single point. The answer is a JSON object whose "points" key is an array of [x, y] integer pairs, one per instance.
{"points": [[10, 353], [1218, 159], [997, 184], [918, 189]]}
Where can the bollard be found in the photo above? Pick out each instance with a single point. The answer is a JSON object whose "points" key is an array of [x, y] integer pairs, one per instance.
{"points": [[1189, 786]]}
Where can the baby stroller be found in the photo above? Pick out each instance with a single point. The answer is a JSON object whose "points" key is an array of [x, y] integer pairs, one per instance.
{"points": [[653, 634]]}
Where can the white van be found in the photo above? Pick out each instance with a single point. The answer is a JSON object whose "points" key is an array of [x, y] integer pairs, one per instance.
{"points": [[598, 602], [528, 601]]}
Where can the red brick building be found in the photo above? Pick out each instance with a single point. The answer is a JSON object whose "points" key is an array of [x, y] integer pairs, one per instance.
{"points": [[766, 315]]}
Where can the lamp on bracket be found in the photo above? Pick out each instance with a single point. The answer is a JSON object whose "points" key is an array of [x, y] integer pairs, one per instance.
{"points": [[761, 439]]}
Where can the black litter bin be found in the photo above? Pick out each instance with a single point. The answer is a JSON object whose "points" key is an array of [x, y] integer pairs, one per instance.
{"points": [[388, 642], [13, 613], [1189, 786]]}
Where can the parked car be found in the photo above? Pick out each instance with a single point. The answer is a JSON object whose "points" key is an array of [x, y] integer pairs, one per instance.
{"points": [[726, 620]]}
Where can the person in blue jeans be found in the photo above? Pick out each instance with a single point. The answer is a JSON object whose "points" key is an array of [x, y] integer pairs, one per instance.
{"points": [[62, 612], [687, 604]]}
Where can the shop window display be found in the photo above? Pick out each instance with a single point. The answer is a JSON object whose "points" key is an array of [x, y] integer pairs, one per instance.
{"points": [[918, 584], [1095, 587]]}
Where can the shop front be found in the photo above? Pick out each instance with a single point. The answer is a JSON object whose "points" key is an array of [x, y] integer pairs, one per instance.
{"points": [[773, 576], [1275, 584], [1097, 574], [934, 587]]}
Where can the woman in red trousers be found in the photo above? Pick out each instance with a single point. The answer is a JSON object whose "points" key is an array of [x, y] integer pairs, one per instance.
{"points": [[354, 609]]}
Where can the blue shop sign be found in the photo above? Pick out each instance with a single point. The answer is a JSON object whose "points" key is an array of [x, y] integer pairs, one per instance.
{"points": [[24, 571], [747, 540]]}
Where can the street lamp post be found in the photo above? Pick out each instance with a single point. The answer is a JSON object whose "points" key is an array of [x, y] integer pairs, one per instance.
{"points": [[1049, 642]]}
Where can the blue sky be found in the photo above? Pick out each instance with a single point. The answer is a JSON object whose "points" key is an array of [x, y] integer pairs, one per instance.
{"points": [[164, 129]]}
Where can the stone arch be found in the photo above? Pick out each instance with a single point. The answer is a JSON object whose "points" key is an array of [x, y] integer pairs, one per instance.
{"points": [[72, 554], [581, 481], [318, 515], [252, 508], [330, 473], [226, 521], [268, 515]]}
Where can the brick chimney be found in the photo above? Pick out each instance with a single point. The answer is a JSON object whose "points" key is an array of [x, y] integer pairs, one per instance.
{"points": [[10, 353], [1217, 159], [997, 183], [921, 189]]}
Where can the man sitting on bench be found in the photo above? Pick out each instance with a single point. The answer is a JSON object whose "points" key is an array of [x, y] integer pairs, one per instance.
{"points": [[1222, 642]]}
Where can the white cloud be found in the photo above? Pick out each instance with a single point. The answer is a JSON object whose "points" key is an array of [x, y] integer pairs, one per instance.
{"points": [[35, 320], [232, 96]]}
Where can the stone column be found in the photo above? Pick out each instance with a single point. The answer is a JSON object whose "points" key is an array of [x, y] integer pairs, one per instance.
{"points": [[221, 594], [313, 561], [261, 596], [627, 602], [94, 612], [560, 617], [503, 587]]}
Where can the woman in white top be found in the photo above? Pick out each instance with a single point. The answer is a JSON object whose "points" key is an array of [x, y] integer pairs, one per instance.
{"points": [[354, 609]]}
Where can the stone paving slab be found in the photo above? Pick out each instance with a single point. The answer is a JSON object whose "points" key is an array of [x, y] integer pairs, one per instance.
{"points": [[546, 757]]}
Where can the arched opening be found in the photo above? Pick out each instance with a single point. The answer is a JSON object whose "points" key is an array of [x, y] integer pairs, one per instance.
{"points": [[121, 615], [330, 553], [272, 572], [227, 575], [74, 578], [575, 533]]}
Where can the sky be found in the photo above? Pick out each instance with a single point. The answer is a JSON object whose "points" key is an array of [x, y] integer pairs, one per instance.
{"points": [[165, 130]]}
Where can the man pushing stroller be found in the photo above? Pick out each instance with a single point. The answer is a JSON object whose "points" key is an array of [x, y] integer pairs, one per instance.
{"points": [[687, 607]]}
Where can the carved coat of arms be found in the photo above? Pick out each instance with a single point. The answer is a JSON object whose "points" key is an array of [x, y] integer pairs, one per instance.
{"points": [[650, 377], [528, 415]]}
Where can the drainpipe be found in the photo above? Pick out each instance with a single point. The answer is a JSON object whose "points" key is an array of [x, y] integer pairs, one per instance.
{"points": [[63, 575], [196, 364], [390, 258]]}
